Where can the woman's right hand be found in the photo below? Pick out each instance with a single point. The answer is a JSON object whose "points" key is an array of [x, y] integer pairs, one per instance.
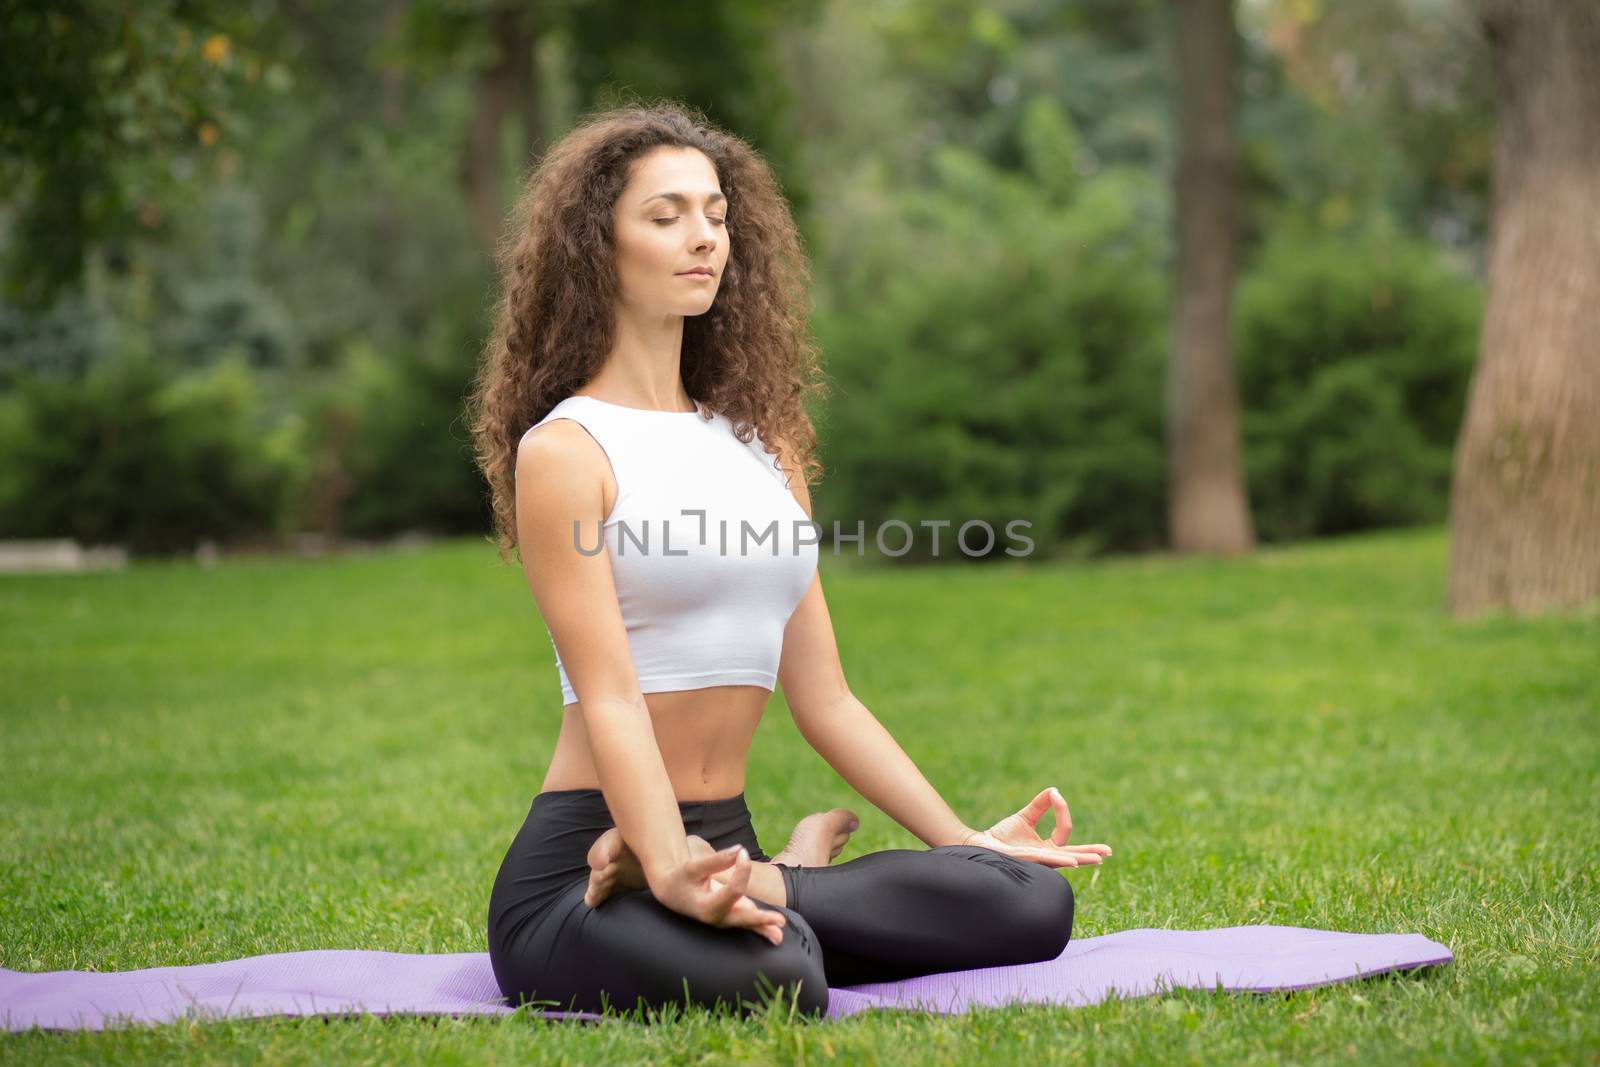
{"points": [[710, 886]]}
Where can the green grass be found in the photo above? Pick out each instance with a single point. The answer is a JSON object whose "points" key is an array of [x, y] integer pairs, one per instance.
{"points": [[266, 756]]}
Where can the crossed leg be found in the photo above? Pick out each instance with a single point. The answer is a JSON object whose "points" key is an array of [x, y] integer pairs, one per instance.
{"points": [[900, 913], [633, 949]]}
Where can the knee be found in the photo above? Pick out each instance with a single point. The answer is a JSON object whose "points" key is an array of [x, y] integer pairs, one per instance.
{"points": [[794, 968], [1034, 905], [800, 979], [1044, 907], [1028, 905]]}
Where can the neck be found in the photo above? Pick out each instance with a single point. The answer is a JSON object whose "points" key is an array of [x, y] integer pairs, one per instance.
{"points": [[644, 367]]}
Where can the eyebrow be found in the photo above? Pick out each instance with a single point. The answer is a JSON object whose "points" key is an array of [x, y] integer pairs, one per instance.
{"points": [[679, 198]]}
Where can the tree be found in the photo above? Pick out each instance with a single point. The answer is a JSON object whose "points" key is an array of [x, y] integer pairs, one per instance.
{"points": [[1525, 491], [1207, 509], [107, 110], [505, 86]]}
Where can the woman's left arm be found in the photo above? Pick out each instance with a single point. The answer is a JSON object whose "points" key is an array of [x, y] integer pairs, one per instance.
{"points": [[846, 734], [841, 729], [856, 745]]}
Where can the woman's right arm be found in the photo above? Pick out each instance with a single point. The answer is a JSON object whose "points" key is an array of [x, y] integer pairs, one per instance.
{"points": [[560, 474]]}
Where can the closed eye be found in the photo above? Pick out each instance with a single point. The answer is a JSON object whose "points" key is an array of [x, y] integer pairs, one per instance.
{"points": [[719, 222]]}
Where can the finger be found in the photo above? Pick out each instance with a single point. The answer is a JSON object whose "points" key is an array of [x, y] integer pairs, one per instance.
{"points": [[1089, 851], [1035, 808], [1081, 857], [1063, 827], [1051, 856], [725, 895], [769, 924], [743, 912], [773, 931], [1048, 859], [748, 912], [712, 862], [739, 876]]}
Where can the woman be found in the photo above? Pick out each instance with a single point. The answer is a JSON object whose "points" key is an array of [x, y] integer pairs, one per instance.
{"points": [[650, 341]]}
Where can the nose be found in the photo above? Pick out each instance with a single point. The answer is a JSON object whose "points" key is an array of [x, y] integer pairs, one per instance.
{"points": [[705, 236]]}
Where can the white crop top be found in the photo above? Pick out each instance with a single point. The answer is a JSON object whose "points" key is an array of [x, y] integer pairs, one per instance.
{"points": [[704, 598]]}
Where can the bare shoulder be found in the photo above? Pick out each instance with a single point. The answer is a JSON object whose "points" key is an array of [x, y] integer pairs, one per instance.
{"points": [[556, 440], [560, 491], [560, 461]]}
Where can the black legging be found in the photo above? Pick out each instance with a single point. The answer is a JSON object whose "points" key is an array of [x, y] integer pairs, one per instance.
{"points": [[880, 917]]}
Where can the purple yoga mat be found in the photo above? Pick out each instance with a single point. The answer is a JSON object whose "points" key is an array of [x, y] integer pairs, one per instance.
{"points": [[343, 981]]}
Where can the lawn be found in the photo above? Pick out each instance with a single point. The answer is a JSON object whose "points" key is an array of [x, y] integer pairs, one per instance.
{"points": [[265, 756]]}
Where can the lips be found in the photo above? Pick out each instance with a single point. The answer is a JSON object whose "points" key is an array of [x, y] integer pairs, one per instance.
{"points": [[706, 271]]}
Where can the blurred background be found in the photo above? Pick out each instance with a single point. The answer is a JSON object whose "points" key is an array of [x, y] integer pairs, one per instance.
{"points": [[1152, 276]]}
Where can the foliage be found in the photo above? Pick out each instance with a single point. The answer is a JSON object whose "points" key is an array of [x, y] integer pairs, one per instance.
{"points": [[136, 456], [107, 112], [1374, 108], [998, 354], [405, 457], [61, 342], [1354, 356], [288, 192], [220, 303]]}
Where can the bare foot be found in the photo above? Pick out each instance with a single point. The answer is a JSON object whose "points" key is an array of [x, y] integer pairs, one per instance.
{"points": [[613, 868], [818, 838]]}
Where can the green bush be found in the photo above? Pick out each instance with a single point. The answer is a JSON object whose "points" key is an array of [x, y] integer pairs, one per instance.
{"points": [[220, 305], [62, 341], [996, 354], [1354, 356], [998, 350], [130, 455], [390, 432]]}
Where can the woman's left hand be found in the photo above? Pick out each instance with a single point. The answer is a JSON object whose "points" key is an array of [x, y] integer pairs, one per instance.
{"points": [[1016, 835]]}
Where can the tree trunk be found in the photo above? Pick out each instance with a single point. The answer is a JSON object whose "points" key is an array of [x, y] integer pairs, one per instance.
{"points": [[1525, 495], [392, 79], [1207, 508], [509, 84]]}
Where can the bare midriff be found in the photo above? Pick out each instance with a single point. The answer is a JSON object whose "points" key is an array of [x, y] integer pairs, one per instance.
{"points": [[704, 736]]}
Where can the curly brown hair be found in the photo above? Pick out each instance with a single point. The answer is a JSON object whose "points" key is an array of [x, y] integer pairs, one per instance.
{"points": [[750, 357]]}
